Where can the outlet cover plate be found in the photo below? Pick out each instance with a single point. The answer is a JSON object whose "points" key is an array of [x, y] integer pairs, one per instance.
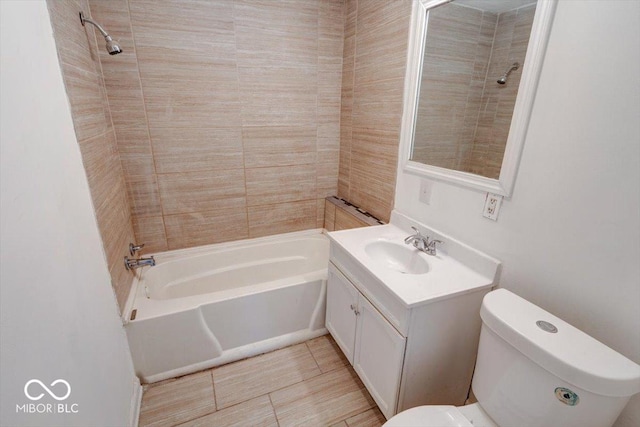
{"points": [[492, 205], [426, 188]]}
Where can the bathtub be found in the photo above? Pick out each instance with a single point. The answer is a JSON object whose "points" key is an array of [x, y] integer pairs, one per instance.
{"points": [[202, 307]]}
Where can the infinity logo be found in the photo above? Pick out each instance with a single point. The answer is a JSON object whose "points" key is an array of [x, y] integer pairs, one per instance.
{"points": [[52, 394]]}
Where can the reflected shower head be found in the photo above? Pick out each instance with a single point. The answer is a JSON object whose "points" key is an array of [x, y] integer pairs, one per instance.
{"points": [[503, 78], [112, 46]]}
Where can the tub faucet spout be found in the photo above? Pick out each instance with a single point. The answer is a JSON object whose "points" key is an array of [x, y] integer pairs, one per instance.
{"points": [[131, 263]]}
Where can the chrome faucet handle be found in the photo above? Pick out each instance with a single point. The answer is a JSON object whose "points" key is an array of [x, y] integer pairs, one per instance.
{"points": [[413, 237], [431, 246], [419, 241], [410, 238], [135, 248]]}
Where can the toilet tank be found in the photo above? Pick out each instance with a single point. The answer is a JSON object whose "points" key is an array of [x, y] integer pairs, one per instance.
{"points": [[534, 369]]}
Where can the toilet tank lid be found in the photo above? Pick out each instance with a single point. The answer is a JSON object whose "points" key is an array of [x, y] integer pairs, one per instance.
{"points": [[568, 353]]}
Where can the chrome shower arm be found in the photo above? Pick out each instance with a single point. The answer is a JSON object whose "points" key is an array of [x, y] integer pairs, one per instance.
{"points": [[83, 20], [113, 48], [514, 67]]}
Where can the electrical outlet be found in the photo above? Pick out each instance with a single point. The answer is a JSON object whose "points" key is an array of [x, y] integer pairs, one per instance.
{"points": [[425, 191], [492, 206]]}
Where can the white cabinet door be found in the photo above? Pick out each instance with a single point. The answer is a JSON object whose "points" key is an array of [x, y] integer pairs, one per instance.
{"points": [[342, 299], [379, 356]]}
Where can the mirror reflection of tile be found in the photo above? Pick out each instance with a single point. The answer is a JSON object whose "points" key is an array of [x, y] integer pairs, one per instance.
{"points": [[464, 112]]}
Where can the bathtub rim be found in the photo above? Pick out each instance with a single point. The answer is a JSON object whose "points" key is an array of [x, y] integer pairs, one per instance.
{"points": [[176, 254]]}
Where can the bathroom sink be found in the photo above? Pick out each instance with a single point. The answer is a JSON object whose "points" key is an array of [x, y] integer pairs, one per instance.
{"points": [[387, 270], [404, 259]]}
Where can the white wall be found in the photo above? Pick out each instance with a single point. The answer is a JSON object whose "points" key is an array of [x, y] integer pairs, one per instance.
{"points": [[59, 317], [569, 238]]}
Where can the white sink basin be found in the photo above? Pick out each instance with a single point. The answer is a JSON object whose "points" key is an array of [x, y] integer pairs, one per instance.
{"points": [[384, 267], [404, 259]]}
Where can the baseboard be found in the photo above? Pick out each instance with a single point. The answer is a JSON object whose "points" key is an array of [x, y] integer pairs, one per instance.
{"points": [[136, 402]]}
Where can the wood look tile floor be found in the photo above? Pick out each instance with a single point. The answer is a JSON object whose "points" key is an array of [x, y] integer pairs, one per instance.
{"points": [[308, 384]]}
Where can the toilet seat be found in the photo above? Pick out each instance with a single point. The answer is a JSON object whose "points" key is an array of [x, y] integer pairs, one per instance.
{"points": [[442, 416], [429, 416]]}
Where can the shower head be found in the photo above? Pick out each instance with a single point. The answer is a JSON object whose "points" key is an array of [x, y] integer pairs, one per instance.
{"points": [[112, 46], [503, 78]]}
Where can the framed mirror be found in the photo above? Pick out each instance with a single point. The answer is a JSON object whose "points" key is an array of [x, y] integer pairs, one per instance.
{"points": [[472, 72]]}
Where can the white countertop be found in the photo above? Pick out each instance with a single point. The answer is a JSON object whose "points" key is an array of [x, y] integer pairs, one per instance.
{"points": [[447, 275]]}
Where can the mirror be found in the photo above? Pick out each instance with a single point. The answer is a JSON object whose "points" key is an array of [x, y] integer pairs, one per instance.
{"points": [[472, 71]]}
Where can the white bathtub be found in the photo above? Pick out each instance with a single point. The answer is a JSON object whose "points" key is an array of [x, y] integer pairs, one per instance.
{"points": [[206, 306]]}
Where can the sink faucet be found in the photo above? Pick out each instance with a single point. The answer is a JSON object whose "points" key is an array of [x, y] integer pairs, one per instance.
{"points": [[422, 243], [419, 241], [131, 264]]}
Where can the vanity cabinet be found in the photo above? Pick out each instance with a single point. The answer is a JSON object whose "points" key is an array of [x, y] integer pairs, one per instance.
{"points": [[370, 343], [407, 353]]}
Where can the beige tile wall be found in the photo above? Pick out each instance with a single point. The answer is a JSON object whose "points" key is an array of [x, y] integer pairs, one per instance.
{"points": [[228, 125], [223, 128], [78, 52], [375, 46]]}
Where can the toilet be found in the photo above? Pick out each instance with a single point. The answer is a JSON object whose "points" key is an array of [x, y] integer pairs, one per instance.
{"points": [[535, 370]]}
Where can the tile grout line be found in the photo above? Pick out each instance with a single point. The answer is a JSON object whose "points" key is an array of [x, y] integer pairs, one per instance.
{"points": [[306, 343], [316, 165], [215, 404], [374, 407], [273, 408], [283, 387], [147, 127], [213, 385], [274, 391], [353, 90], [240, 119]]}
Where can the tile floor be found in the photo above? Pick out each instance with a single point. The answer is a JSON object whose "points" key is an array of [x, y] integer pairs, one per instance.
{"points": [[308, 384]]}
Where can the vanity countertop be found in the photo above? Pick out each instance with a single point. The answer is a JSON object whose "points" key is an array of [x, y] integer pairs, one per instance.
{"points": [[455, 269]]}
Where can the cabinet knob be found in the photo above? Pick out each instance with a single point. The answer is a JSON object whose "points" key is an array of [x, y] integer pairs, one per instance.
{"points": [[354, 309]]}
